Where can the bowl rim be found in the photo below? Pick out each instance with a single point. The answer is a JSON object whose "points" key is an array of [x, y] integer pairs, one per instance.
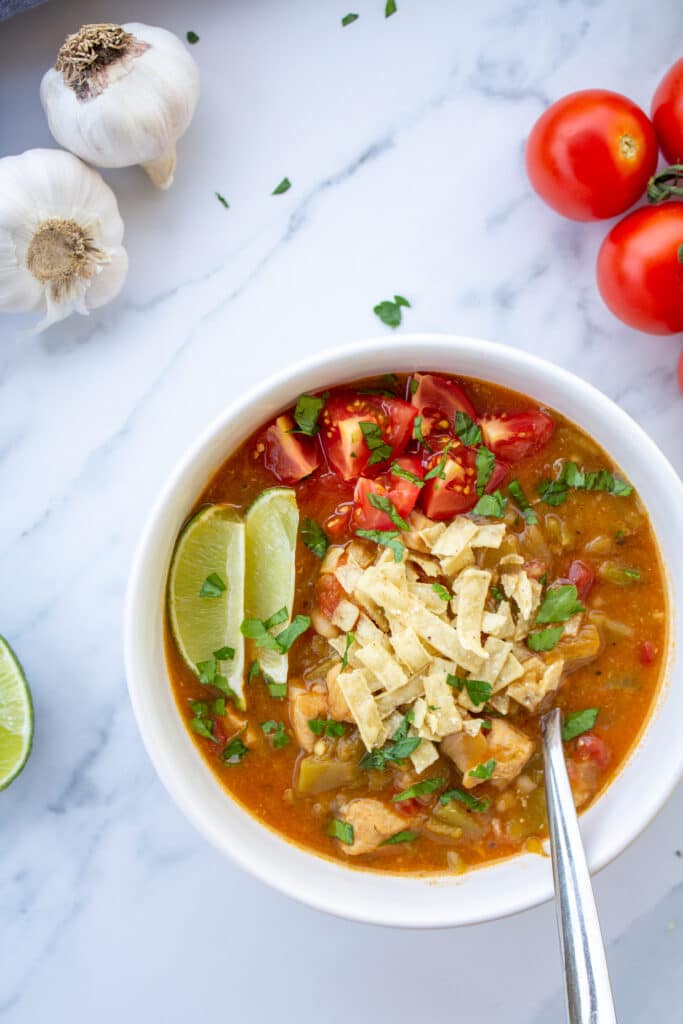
{"points": [[293, 881]]}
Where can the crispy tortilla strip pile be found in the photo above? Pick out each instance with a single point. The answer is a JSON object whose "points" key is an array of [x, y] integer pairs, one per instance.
{"points": [[418, 641]]}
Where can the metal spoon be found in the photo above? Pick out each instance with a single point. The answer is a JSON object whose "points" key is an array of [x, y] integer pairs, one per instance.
{"points": [[587, 985]]}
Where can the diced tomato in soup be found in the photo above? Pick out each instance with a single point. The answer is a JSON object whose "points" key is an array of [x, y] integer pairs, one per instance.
{"points": [[351, 446], [454, 490], [289, 456], [514, 436], [401, 492], [437, 400]]}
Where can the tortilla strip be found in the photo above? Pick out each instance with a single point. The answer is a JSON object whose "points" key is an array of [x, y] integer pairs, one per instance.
{"points": [[345, 615], [443, 638], [453, 564], [383, 665], [408, 649], [388, 702], [456, 537], [531, 690], [473, 587], [362, 706], [439, 695], [423, 756], [490, 535]]}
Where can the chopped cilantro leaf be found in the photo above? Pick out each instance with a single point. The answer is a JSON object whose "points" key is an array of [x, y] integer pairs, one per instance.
{"points": [[559, 604], [384, 504], [390, 8], [406, 836], [306, 413], [418, 435], [401, 746], [390, 312], [478, 691], [254, 671], [515, 489], [467, 430], [218, 707], [234, 751], [554, 492], [350, 638], [326, 727], [341, 830], [578, 722], [192, 37], [284, 186], [374, 439], [207, 671], [405, 474], [292, 632], [441, 591], [483, 771], [348, 19], [439, 468], [413, 386], [485, 462], [470, 802], [278, 732], [544, 639], [419, 789], [498, 593], [224, 654], [456, 681], [387, 538], [203, 728], [314, 537], [491, 505], [222, 200], [213, 586]]}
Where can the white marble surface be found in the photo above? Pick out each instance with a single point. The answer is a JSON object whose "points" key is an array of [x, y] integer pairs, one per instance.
{"points": [[403, 141]]}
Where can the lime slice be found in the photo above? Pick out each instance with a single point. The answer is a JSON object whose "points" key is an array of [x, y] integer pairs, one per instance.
{"points": [[16, 716], [210, 545], [272, 523]]}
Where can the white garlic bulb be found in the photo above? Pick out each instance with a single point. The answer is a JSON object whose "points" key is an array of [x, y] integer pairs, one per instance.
{"points": [[121, 95], [60, 236]]}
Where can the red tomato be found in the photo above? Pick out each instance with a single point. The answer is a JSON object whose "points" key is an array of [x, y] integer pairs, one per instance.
{"points": [[647, 653], [437, 400], [337, 525], [590, 155], [590, 747], [457, 492], [513, 436], [582, 576], [402, 493], [410, 806], [290, 457], [342, 437], [328, 594], [640, 269], [667, 113]]}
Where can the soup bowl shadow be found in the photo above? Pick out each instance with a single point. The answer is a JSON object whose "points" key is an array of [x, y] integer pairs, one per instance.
{"points": [[650, 774]]}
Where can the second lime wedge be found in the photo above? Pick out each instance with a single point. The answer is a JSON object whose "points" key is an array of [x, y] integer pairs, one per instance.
{"points": [[272, 522], [206, 592], [16, 716]]}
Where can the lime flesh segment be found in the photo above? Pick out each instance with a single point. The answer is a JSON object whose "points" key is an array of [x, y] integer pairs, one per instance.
{"points": [[212, 542], [272, 523], [16, 716]]}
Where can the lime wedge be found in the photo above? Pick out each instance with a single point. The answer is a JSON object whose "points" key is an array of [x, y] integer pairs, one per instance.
{"points": [[16, 716], [210, 547], [272, 523]]}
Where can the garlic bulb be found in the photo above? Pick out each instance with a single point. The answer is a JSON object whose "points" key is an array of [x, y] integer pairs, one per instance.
{"points": [[121, 95], [60, 236]]}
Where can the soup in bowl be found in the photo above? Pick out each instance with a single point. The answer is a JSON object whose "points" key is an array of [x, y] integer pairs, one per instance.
{"points": [[384, 570]]}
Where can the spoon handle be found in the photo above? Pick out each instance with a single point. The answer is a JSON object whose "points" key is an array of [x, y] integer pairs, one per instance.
{"points": [[589, 995]]}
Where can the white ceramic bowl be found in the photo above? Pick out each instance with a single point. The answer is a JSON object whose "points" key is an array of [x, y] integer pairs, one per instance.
{"points": [[633, 799]]}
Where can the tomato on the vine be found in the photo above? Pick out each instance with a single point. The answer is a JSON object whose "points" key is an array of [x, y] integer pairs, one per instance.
{"points": [[667, 113], [640, 269], [590, 155]]}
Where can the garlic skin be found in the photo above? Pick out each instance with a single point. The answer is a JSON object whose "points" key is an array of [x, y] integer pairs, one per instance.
{"points": [[121, 95], [60, 237]]}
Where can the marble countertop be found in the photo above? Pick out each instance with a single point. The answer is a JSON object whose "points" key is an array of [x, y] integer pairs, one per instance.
{"points": [[403, 139]]}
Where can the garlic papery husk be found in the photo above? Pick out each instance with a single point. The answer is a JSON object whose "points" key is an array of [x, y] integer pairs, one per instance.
{"points": [[121, 95], [60, 236]]}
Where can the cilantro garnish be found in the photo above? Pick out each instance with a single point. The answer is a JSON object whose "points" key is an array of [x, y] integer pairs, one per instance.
{"points": [[213, 586], [478, 691], [470, 802], [485, 462], [350, 638], [544, 639], [192, 37], [234, 751], [483, 771], [390, 312], [341, 830], [348, 19], [258, 630], [277, 731], [439, 589], [284, 186], [405, 474], [417, 433], [387, 538], [579, 722], [390, 8], [406, 836], [515, 489], [554, 492], [326, 727], [559, 604], [374, 439], [314, 537], [306, 412], [222, 200], [467, 430], [419, 789], [438, 469], [384, 504], [491, 505]]}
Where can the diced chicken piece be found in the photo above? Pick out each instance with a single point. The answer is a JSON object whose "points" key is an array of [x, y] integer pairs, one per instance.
{"points": [[508, 746], [304, 705], [577, 651], [339, 709], [372, 823]]}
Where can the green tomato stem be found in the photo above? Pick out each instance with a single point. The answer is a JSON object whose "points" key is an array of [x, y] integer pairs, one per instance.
{"points": [[665, 184]]}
